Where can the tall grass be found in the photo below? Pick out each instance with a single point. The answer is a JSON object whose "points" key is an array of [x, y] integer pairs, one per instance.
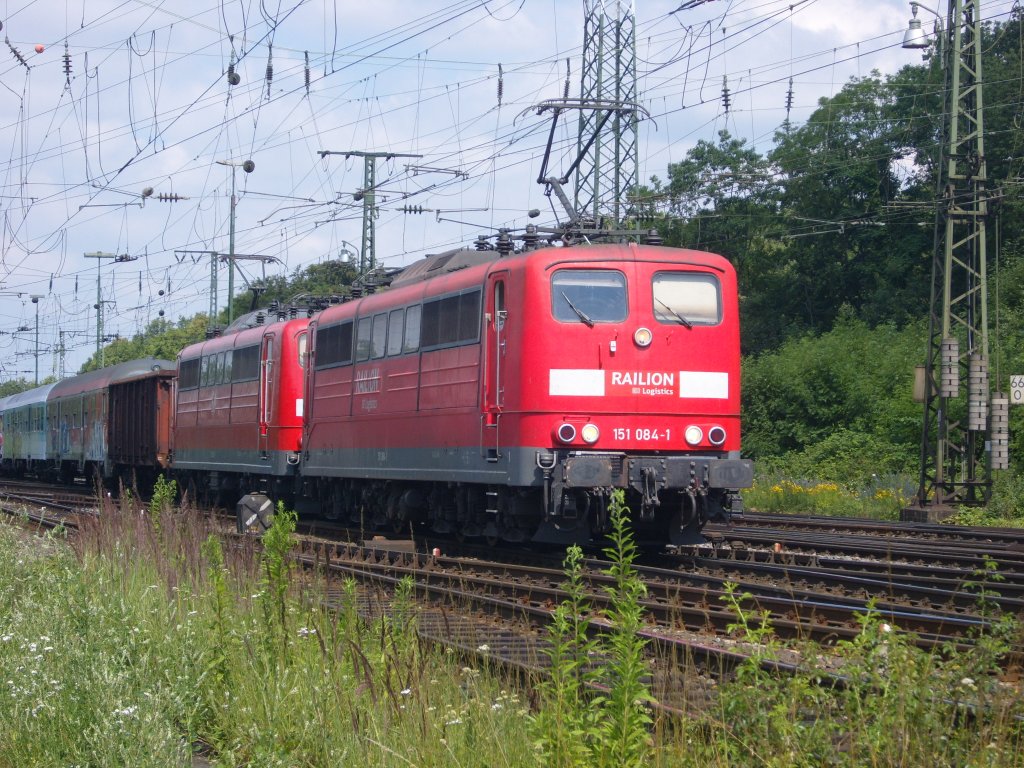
{"points": [[141, 643], [113, 655]]}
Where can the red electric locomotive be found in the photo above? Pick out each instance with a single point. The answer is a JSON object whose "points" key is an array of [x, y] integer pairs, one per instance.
{"points": [[506, 395], [239, 409]]}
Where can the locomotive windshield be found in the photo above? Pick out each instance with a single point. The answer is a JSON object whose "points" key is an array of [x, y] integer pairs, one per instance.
{"points": [[687, 298], [589, 296]]}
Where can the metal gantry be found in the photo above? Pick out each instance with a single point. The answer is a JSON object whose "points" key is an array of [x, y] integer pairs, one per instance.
{"points": [[100, 302], [368, 193], [956, 428], [609, 170]]}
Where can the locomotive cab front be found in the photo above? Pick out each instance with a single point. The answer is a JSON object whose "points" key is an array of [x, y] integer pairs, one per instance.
{"points": [[628, 378]]}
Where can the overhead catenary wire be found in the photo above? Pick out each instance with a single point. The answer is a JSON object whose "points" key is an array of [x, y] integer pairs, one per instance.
{"points": [[493, 148]]}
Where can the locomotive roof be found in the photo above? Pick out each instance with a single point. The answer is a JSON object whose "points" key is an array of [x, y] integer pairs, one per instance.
{"points": [[28, 397], [240, 337], [437, 264], [93, 380]]}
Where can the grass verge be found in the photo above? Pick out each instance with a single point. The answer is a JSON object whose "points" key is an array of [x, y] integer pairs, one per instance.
{"points": [[145, 639]]}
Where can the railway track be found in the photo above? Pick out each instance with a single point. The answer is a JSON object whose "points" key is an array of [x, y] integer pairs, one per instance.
{"points": [[496, 609], [975, 550]]}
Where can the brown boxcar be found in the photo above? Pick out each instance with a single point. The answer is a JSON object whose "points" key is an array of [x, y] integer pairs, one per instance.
{"points": [[139, 428]]}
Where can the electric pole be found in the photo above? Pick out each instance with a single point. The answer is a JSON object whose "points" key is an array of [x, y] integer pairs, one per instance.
{"points": [[230, 258], [608, 170], [955, 435], [248, 166], [99, 256], [368, 253]]}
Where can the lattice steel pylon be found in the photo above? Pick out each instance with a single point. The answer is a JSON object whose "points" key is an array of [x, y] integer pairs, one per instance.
{"points": [[608, 171], [955, 433]]}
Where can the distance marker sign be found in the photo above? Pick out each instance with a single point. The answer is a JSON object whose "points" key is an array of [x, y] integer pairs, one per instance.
{"points": [[1017, 390]]}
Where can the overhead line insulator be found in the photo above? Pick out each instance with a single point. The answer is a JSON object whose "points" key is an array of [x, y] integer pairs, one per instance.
{"points": [[270, 68], [16, 53], [67, 64]]}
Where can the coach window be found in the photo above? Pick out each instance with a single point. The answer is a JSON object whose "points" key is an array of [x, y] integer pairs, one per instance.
{"points": [[204, 375], [188, 374], [499, 305], [411, 342], [395, 332], [380, 335], [225, 366], [589, 296], [363, 339], [687, 298], [303, 349]]}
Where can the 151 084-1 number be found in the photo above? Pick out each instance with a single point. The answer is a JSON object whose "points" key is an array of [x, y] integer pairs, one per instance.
{"points": [[641, 433]]}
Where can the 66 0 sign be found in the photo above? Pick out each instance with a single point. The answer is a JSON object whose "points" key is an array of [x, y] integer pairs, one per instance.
{"points": [[1017, 390]]}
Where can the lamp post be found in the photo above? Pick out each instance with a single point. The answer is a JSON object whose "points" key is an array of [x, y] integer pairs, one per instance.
{"points": [[348, 251], [248, 166], [35, 300], [915, 37]]}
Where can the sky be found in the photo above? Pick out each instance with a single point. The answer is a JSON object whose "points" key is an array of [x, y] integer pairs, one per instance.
{"points": [[103, 99]]}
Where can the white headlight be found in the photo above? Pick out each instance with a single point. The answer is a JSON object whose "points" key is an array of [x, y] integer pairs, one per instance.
{"points": [[693, 434], [643, 337], [590, 433]]}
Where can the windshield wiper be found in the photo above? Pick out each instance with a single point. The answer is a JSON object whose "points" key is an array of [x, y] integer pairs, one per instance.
{"points": [[579, 312], [682, 320]]}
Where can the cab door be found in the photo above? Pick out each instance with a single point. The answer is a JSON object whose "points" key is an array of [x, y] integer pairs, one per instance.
{"points": [[266, 394], [495, 364]]}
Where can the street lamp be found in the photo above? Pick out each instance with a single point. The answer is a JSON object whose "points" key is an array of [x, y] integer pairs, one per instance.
{"points": [[915, 37], [248, 166], [348, 251], [35, 300]]}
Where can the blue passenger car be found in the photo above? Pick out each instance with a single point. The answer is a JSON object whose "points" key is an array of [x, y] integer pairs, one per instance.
{"points": [[23, 431]]}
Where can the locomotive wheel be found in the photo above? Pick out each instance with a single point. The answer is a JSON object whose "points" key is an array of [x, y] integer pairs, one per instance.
{"points": [[396, 520]]}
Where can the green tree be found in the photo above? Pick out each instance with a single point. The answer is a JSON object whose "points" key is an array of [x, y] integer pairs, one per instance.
{"points": [[853, 378], [161, 338]]}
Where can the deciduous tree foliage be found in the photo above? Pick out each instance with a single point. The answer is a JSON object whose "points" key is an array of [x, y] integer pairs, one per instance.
{"points": [[832, 233]]}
